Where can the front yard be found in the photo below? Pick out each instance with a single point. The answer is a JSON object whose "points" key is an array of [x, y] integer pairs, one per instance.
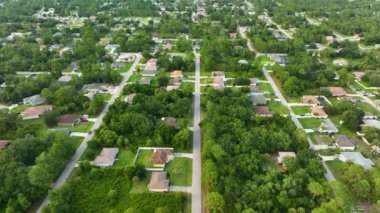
{"points": [[180, 170], [310, 123], [277, 107], [301, 110]]}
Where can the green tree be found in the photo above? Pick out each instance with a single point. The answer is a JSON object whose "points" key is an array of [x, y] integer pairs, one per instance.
{"points": [[215, 202]]}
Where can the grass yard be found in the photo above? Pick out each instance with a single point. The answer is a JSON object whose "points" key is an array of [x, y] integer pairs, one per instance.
{"points": [[342, 129], [76, 141], [367, 108], [301, 110], [336, 167], [125, 159], [143, 158], [266, 87], [180, 170], [310, 123], [20, 108], [82, 127], [135, 77], [142, 185], [106, 96], [126, 68], [277, 107]]}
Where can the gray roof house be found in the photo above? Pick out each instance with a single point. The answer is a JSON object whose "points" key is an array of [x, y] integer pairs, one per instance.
{"points": [[258, 99], [282, 59], [328, 126], [356, 158], [344, 143], [33, 100]]}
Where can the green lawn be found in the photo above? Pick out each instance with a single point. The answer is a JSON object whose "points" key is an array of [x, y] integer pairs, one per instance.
{"points": [[180, 170], [125, 159], [277, 107], [144, 158], [310, 123], [336, 167], [20, 108], [135, 77], [367, 108], [301, 110], [82, 127], [142, 185], [266, 87], [76, 141], [126, 68], [106, 96]]}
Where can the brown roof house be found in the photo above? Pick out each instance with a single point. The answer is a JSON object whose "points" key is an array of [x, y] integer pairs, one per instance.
{"points": [[69, 120], [218, 79], [106, 157], [359, 75], [171, 121], [158, 182], [3, 144], [161, 156], [263, 111], [337, 91], [344, 143], [177, 77], [311, 100], [318, 111], [35, 112], [150, 68]]}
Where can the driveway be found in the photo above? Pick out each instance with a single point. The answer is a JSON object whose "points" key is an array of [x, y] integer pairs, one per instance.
{"points": [[186, 189], [74, 159]]}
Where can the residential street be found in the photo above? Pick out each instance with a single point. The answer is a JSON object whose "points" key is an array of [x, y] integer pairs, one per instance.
{"points": [[249, 43], [196, 196], [74, 159]]}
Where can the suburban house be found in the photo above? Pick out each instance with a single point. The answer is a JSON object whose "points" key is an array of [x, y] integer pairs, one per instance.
{"points": [[371, 123], [170, 121], [281, 59], [64, 79], [318, 111], [337, 91], [111, 48], [145, 80], [310, 100], [117, 65], [254, 89], [263, 111], [69, 120], [167, 47], [340, 62], [106, 157], [91, 89], [344, 143], [161, 156], [359, 75], [3, 144], [327, 126], [356, 158], [158, 182], [150, 68], [177, 77], [129, 98], [254, 81], [218, 83], [369, 116], [284, 155], [35, 112], [126, 58], [33, 100], [330, 39], [258, 99], [220, 74], [171, 87]]}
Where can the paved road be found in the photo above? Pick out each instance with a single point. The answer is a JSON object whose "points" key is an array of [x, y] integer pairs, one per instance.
{"points": [[269, 20], [249, 43], [196, 196], [74, 159]]}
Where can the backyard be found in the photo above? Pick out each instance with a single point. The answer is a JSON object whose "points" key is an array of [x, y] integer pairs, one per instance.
{"points": [[143, 158], [301, 110], [125, 159], [277, 107]]}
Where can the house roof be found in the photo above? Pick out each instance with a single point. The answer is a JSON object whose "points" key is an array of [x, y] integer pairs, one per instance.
{"points": [[34, 100], [359, 74], [160, 156], [130, 97], [371, 123], [176, 74], [357, 158], [263, 110], [340, 62], [36, 111], [337, 91], [69, 118], [3, 144], [318, 111], [218, 74], [64, 78], [282, 155], [218, 81], [170, 121], [258, 98], [106, 156], [158, 181], [254, 89], [327, 124], [344, 141], [279, 58], [98, 86], [310, 99]]}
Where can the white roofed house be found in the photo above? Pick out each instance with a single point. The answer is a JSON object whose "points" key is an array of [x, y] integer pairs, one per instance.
{"points": [[91, 89], [258, 98], [150, 68], [344, 143], [106, 157], [33, 100], [64, 79], [356, 158], [281, 59]]}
